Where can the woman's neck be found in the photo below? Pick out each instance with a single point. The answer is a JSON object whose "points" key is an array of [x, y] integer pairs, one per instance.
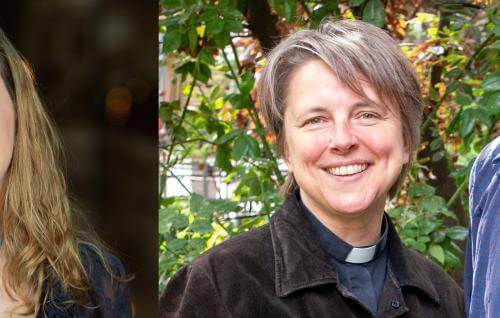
{"points": [[362, 229]]}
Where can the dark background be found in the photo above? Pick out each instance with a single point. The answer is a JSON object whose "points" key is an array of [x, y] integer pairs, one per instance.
{"points": [[96, 65]]}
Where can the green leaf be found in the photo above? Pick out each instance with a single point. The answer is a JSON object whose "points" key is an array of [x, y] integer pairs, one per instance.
{"points": [[240, 147], [457, 233], [253, 183], [424, 239], [169, 107], [176, 244], [492, 82], [419, 246], [179, 133], [453, 73], [436, 144], [247, 82], [496, 30], [170, 4], [374, 12], [195, 202], [482, 115], [193, 39], [228, 137], [456, 25], [492, 104], [253, 146], [438, 237], [433, 94], [454, 122], [224, 206], [222, 39], [204, 73], [408, 232], [165, 218], [201, 226], [484, 67], [438, 156], [223, 158], [289, 10], [250, 224], [279, 7], [419, 190], [433, 204], [232, 14], [206, 57], [198, 244], [467, 122], [214, 27], [427, 227], [452, 260], [463, 99], [452, 87], [180, 221], [356, 3], [233, 26], [437, 252], [171, 41]]}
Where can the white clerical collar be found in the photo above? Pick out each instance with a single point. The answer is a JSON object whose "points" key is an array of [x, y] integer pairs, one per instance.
{"points": [[365, 254], [360, 255], [340, 250]]}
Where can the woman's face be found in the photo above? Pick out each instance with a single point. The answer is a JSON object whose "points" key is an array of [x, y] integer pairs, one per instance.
{"points": [[345, 152], [7, 130]]}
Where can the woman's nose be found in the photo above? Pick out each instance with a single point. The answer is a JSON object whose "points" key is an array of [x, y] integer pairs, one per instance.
{"points": [[343, 139]]}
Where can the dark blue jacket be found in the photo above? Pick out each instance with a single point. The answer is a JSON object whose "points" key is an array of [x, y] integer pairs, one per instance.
{"points": [[482, 262]]}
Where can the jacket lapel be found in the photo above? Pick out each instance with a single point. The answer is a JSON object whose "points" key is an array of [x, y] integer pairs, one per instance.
{"points": [[299, 260], [301, 263]]}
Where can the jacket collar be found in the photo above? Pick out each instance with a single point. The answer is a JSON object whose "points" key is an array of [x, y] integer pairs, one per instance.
{"points": [[301, 263], [340, 250]]}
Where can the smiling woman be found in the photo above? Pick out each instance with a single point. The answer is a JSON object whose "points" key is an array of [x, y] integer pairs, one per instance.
{"points": [[344, 155], [344, 104]]}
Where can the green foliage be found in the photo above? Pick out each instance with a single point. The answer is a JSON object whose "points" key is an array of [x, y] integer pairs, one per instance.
{"points": [[216, 122], [374, 13], [422, 226]]}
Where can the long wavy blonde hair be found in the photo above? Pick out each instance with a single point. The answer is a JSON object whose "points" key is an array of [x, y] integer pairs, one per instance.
{"points": [[40, 241]]}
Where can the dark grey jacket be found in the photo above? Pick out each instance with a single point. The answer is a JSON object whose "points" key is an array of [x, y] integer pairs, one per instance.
{"points": [[280, 270]]}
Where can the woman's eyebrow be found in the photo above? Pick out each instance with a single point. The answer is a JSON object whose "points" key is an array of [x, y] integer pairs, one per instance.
{"points": [[369, 103], [319, 108], [313, 109], [365, 103]]}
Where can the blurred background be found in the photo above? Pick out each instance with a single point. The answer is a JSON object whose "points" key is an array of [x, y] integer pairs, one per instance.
{"points": [[96, 67]]}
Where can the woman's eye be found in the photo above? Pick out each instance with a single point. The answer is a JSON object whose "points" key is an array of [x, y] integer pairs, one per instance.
{"points": [[315, 120], [368, 116]]}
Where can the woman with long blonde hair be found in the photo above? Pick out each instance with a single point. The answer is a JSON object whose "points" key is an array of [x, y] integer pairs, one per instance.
{"points": [[49, 266]]}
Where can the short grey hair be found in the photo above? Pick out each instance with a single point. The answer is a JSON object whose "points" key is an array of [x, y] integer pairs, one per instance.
{"points": [[349, 48]]}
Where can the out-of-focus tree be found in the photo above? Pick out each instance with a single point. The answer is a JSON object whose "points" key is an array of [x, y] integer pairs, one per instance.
{"points": [[218, 48]]}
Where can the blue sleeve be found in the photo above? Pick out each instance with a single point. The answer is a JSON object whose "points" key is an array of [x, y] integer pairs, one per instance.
{"points": [[482, 264]]}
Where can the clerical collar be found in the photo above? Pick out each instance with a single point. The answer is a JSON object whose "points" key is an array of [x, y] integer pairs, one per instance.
{"points": [[343, 251]]}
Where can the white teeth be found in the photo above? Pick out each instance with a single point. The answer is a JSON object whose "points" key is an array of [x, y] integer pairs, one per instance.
{"points": [[348, 170]]}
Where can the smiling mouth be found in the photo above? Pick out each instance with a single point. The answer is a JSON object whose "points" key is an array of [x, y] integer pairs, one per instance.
{"points": [[347, 170]]}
